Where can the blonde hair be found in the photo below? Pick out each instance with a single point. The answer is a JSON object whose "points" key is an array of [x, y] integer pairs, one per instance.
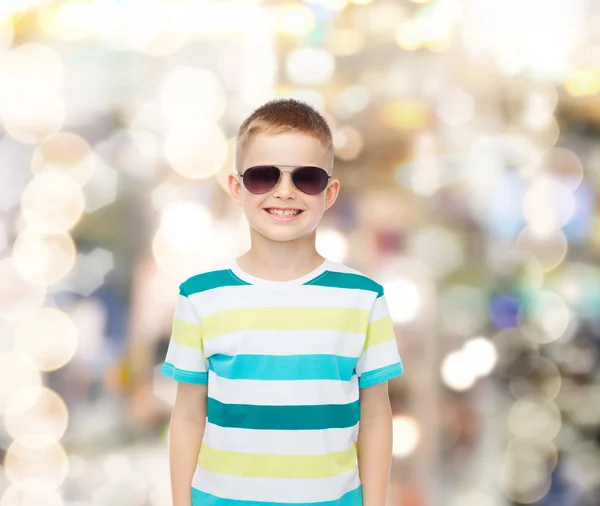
{"points": [[283, 115]]}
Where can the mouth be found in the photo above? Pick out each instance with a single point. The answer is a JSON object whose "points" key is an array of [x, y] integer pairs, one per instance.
{"points": [[279, 214]]}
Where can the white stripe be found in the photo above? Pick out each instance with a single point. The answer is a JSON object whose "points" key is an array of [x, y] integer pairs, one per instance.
{"points": [[234, 297], [183, 357], [280, 442], [184, 310], [275, 489], [282, 392], [286, 342], [380, 309], [380, 355]]}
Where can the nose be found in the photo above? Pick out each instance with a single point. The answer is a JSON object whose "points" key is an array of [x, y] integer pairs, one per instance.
{"points": [[285, 189]]}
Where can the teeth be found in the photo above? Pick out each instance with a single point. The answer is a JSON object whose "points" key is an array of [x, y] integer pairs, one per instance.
{"points": [[287, 212]]}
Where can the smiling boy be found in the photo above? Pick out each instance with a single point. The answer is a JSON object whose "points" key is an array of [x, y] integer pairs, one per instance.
{"points": [[282, 356]]}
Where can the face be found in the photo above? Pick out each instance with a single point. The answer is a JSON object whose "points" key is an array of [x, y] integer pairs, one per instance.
{"points": [[263, 211]]}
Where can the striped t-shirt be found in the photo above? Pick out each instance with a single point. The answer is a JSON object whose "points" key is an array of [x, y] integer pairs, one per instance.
{"points": [[284, 362]]}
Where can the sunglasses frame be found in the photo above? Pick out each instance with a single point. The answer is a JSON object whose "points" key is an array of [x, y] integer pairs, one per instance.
{"points": [[281, 172]]}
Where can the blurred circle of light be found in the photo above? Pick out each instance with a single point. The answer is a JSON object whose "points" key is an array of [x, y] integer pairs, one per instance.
{"points": [[409, 35], [482, 354], [564, 164], [534, 419], [189, 93], [404, 299], [463, 309], [18, 297], [333, 5], [17, 371], [310, 66], [350, 101], [439, 248], [52, 203], [471, 498], [505, 311], [36, 463], [548, 205], [546, 319], [67, 152], [345, 42], [295, 19], [35, 120], [348, 143], [43, 259], [457, 371], [406, 115], [36, 410], [455, 107], [512, 346], [585, 408], [179, 218], [583, 82], [195, 150], [361, 2], [540, 381], [16, 496], [332, 244], [69, 20], [550, 249], [49, 338], [7, 34], [406, 436]]}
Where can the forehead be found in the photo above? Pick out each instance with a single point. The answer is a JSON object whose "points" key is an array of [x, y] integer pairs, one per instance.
{"points": [[289, 148]]}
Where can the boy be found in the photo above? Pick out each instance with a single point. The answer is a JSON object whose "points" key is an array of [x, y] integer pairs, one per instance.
{"points": [[280, 353]]}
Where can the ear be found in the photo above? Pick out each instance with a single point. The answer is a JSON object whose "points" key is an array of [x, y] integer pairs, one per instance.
{"points": [[235, 187], [331, 193]]}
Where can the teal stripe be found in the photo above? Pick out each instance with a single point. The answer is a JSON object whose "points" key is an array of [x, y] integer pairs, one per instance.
{"points": [[376, 376], [347, 280], [316, 417], [197, 378], [209, 281], [283, 367], [199, 498]]}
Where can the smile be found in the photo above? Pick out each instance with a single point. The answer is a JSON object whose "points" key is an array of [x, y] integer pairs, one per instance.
{"points": [[283, 214]]}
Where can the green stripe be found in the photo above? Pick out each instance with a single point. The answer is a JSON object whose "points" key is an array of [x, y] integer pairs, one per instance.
{"points": [[208, 281], [347, 280], [318, 417]]}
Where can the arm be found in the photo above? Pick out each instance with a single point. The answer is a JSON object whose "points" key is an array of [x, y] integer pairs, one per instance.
{"points": [[375, 443], [188, 421]]}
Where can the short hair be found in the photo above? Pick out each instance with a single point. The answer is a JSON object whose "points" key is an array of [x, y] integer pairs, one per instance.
{"points": [[280, 116]]}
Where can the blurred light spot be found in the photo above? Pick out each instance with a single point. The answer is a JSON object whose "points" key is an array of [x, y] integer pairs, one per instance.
{"points": [[332, 244], [43, 259], [67, 152], [585, 407], [470, 497], [406, 115], [117, 468], [7, 33], [463, 310], [191, 93], [546, 317], [35, 120], [455, 107], [36, 410], [16, 496], [513, 347], [36, 463], [404, 300], [178, 219], [351, 100], [18, 298], [406, 436], [505, 311], [583, 82], [310, 66], [564, 165], [550, 249], [409, 36], [533, 419], [548, 205], [195, 150], [49, 338], [361, 2], [439, 248], [457, 371], [101, 190], [333, 5], [69, 20], [481, 353], [77, 466], [17, 371], [348, 143], [345, 42], [89, 273], [295, 19], [537, 379]]}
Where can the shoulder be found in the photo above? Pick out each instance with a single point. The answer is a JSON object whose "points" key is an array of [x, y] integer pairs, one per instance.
{"points": [[342, 276], [209, 279]]}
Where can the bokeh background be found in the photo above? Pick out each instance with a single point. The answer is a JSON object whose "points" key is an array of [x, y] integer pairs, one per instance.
{"points": [[466, 138]]}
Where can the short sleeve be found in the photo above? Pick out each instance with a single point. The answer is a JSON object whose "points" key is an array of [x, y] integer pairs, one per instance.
{"points": [[185, 361], [380, 359]]}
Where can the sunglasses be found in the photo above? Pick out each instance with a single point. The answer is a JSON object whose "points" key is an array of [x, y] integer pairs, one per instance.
{"points": [[263, 178]]}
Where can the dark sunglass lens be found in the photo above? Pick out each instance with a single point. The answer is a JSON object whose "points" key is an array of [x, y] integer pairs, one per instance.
{"points": [[261, 179], [310, 180]]}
